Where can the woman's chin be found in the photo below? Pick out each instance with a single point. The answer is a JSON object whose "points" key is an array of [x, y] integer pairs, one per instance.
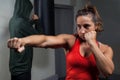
{"points": [[83, 39]]}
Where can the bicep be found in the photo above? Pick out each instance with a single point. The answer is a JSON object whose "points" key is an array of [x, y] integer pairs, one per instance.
{"points": [[54, 41]]}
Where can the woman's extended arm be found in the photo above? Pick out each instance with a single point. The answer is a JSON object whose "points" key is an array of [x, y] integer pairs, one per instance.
{"points": [[42, 41]]}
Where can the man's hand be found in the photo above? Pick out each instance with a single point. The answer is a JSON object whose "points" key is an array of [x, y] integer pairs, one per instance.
{"points": [[35, 17]]}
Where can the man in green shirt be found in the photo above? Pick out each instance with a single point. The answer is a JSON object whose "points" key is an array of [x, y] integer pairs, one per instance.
{"points": [[20, 26]]}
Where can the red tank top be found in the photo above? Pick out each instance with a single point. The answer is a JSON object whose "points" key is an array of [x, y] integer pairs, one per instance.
{"points": [[79, 67]]}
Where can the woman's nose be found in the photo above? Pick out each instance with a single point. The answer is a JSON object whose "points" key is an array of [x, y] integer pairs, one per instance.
{"points": [[83, 30]]}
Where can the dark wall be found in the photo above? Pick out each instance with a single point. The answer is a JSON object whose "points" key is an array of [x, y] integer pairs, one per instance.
{"points": [[110, 13], [64, 17]]}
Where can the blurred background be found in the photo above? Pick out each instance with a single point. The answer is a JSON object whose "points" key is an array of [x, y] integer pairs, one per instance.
{"points": [[49, 64]]}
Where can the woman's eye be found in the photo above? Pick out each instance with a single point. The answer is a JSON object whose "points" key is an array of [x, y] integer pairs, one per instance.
{"points": [[86, 26], [79, 26]]}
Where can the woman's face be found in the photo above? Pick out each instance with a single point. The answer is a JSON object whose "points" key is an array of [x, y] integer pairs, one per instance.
{"points": [[84, 25]]}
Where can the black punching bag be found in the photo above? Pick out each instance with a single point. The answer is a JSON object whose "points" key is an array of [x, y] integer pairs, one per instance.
{"points": [[45, 10]]}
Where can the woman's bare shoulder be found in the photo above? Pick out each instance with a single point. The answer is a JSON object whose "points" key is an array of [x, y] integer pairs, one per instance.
{"points": [[67, 37], [70, 39], [105, 47]]}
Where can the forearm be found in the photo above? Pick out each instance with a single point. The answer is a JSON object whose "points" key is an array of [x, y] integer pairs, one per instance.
{"points": [[34, 40], [104, 63]]}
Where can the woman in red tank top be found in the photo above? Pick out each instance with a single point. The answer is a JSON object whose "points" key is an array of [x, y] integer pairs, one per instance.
{"points": [[85, 56]]}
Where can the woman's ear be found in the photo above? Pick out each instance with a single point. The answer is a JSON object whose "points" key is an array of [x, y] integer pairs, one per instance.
{"points": [[96, 28]]}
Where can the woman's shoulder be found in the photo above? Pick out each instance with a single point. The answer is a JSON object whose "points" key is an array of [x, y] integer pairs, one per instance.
{"points": [[67, 37], [104, 47], [70, 39]]}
